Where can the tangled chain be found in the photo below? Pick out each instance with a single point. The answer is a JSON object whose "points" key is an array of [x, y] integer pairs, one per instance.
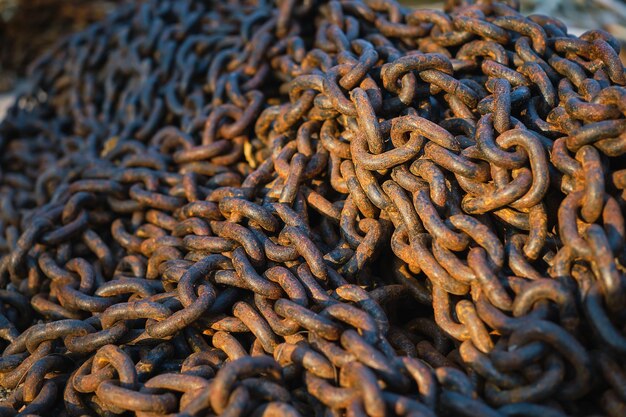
{"points": [[316, 208]]}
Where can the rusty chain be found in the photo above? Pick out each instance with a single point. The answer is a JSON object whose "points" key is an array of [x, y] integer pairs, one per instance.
{"points": [[329, 208]]}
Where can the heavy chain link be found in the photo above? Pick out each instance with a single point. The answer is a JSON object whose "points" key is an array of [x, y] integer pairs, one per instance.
{"points": [[316, 208]]}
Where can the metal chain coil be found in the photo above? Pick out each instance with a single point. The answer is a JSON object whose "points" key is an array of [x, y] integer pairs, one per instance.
{"points": [[316, 208]]}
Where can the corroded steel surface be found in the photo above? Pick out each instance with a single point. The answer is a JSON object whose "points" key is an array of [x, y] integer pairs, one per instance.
{"points": [[316, 208]]}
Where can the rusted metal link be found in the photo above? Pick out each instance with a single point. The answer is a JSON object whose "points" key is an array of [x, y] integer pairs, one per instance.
{"points": [[316, 208]]}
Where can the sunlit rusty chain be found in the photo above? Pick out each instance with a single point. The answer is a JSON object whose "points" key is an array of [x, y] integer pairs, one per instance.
{"points": [[316, 208]]}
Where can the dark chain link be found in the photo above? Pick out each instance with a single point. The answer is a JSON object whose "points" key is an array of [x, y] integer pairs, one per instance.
{"points": [[329, 208]]}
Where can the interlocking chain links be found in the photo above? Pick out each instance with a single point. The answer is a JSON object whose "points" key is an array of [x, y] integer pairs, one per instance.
{"points": [[316, 208]]}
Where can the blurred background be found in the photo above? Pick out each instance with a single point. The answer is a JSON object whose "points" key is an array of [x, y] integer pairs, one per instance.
{"points": [[29, 26]]}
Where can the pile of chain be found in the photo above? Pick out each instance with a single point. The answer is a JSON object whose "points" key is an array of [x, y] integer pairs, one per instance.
{"points": [[316, 208]]}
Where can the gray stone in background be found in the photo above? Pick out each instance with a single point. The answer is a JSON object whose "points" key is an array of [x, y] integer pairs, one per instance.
{"points": [[6, 100]]}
